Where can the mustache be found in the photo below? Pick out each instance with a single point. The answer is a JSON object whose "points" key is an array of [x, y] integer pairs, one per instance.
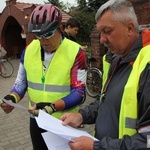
{"points": [[107, 44]]}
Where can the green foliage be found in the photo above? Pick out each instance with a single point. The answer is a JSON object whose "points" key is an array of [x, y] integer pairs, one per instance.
{"points": [[81, 4], [85, 13], [56, 3], [95, 4], [87, 23]]}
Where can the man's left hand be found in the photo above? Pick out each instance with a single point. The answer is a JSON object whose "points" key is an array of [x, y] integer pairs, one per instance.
{"points": [[82, 143]]}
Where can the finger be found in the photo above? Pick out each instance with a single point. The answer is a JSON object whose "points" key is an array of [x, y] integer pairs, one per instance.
{"points": [[65, 120], [32, 108], [72, 145], [33, 112], [63, 117]]}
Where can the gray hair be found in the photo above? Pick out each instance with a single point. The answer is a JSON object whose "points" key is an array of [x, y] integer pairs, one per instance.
{"points": [[122, 10]]}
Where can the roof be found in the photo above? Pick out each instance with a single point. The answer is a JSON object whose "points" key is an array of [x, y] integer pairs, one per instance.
{"points": [[65, 17], [21, 6]]}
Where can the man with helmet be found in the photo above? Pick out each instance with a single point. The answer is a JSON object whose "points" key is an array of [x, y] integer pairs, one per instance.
{"points": [[52, 69]]}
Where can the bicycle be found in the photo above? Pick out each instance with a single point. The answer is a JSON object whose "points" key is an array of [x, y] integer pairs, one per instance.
{"points": [[93, 81], [6, 68]]}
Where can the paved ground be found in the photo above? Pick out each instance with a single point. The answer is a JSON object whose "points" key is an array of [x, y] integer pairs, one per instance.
{"points": [[14, 127]]}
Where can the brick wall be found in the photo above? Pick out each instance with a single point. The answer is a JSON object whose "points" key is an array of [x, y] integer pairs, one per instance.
{"points": [[97, 49], [142, 10], [12, 21]]}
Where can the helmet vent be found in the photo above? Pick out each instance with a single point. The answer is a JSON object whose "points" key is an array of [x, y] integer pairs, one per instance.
{"points": [[37, 19], [44, 17], [40, 7], [53, 15], [32, 17]]}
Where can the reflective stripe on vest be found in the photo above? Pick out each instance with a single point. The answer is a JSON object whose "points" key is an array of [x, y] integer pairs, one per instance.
{"points": [[57, 78], [49, 88]]}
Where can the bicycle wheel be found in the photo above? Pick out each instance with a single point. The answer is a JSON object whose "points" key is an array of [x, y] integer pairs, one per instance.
{"points": [[7, 68], [93, 82], [84, 98]]}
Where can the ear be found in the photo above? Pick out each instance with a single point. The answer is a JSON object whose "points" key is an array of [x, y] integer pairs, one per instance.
{"points": [[130, 27], [69, 27]]}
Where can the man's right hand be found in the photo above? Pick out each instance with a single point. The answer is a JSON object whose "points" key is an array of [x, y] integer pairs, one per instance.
{"points": [[72, 119], [7, 108]]}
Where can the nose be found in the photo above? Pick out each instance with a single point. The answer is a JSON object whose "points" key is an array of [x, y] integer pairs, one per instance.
{"points": [[103, 38], [43, 39]]}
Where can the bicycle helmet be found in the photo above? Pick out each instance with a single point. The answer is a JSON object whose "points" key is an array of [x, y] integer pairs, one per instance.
{"points": [[44, 18]]}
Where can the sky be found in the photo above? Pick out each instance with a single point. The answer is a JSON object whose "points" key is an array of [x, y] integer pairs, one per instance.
{"points": [[3, 3]]}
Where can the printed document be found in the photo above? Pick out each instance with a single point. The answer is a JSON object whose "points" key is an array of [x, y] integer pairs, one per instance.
{"points": [[56, 130]]}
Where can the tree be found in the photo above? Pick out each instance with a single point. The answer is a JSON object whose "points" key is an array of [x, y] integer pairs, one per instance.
{"points": [[85, 13], [56, 3], [81, 4], [95, 4]]}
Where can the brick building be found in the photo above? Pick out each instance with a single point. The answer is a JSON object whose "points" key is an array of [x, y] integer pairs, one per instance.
{"points": [[14, 21], [14, 25], [142, 9]]}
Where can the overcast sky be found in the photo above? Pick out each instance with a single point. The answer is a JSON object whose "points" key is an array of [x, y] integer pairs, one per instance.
{"points": [[3, 3]]}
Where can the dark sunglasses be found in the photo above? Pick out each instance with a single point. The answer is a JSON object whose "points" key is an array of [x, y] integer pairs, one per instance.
{"points": [[46, 35]]}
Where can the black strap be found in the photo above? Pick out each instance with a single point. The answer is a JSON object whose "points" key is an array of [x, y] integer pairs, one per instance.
{"points": [[42, 53]]}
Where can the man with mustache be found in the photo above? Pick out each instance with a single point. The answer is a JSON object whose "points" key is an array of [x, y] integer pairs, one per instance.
{"points": [[121, 117]]}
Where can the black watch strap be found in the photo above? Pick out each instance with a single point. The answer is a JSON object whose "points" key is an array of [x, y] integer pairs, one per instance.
{"points": [[53, 107]]}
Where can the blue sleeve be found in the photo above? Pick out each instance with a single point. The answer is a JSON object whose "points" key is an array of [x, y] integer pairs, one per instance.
{"points": [[22, 57], [74, 98], [20, 85]]}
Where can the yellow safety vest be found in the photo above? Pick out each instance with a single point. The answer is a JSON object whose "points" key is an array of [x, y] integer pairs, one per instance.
{"points": [[106, 66], [57, 77], [129, 104]]}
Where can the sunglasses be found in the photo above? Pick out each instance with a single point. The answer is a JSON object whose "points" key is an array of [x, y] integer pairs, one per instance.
{"points": [[47, 35]]}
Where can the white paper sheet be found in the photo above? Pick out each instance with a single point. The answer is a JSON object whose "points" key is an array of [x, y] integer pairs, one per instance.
{"points": [[55, 142], [15, 105], [60, 132]]}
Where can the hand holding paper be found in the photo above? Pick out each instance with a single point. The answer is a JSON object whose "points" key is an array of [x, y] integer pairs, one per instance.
{"points": [[55, 127], [14, 104]]}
